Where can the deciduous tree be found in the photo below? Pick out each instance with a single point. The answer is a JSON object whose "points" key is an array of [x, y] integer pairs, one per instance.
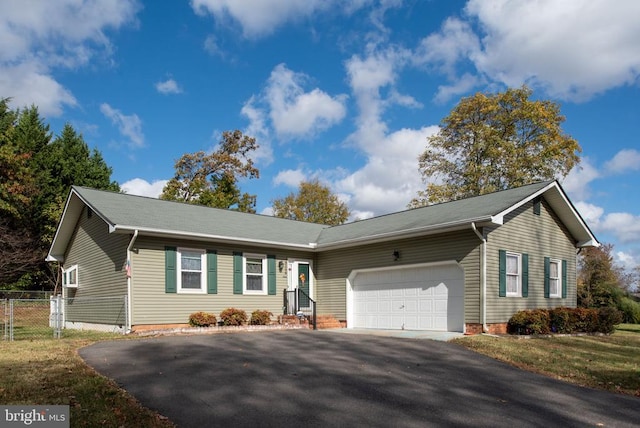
{"points": [[314, 203], [212, 179], [600, 281], [491, 142]]}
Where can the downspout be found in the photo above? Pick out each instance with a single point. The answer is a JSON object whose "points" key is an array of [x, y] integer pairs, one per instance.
{"points": [[483, 278], [129, 251]]}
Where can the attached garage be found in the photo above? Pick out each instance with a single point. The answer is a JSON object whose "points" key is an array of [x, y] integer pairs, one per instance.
{"points": [[417, 297]]}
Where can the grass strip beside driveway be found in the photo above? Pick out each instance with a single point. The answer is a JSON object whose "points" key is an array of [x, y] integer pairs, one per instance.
{"points": [[50, 372], [604, 362]]}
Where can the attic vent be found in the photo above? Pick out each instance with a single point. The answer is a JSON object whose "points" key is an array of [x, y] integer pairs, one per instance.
{"points": [[89, 213], [536, 205]]}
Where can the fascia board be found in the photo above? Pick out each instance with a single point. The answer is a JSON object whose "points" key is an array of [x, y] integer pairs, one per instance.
{"points": [[514, 207], [592, 241], [172, 234], [65, 229]]}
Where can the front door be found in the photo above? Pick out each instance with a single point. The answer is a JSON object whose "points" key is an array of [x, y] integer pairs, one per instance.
{"points": [[304, 279]]}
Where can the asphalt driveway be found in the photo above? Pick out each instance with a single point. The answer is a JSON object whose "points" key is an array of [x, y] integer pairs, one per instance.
{"points": [[322, 378]]}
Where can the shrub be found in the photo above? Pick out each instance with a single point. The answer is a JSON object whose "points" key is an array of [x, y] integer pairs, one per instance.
{"points": [[202, 319], [259, 317], [529, 322], [233, 316], [630, 310], [586, 320], [563, 320], [608, 318]]}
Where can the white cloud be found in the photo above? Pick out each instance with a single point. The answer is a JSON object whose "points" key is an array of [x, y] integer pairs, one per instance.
{"points": [[625, 226], [627, 260], [129, 125], [455, 42], [26, 84], [169, 86], [141, 187], [390, 178], [290, 177], [572, 49], [296, 113], [259, 130], [211, 45], [623, 161], [590, 213], [262, 17], [46, 36], [460, 86], [576, 183], [367, 76]]}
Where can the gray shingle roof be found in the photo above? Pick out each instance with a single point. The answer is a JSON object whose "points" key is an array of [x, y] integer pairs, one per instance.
{"points": [[126, 213], [463, 211], [137, 212]]}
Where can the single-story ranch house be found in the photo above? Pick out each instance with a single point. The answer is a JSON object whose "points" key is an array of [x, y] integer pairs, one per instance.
{"points": [[463, 266]]}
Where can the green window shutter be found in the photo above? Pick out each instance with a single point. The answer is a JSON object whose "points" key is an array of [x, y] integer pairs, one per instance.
{"points": [[564, 279], [237, 272], [212, 272], [64, 277], [502, 271], [170, 270], [525, 275], [271, 276], [547, 270]]}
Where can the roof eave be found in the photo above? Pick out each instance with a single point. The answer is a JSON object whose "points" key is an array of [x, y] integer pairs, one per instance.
{"points": [[408, 233], [161, 233]]}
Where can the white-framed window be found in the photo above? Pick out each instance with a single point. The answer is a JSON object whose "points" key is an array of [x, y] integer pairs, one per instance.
{"points": [[70, 277], [255, 274], [514, 275], [555, 278], [191, 271]]}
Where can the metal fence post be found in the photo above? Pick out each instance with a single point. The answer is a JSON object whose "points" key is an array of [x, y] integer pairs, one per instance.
{"points": [[57, 329], [11, 320], [5, 319]]}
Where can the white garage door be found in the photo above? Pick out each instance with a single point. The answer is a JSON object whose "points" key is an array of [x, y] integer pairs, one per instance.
{"points": [[415, 298]]}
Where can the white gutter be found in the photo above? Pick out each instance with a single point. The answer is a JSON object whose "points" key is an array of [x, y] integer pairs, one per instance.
{"points": [[129, 250], [164, 233], [483, 278]]}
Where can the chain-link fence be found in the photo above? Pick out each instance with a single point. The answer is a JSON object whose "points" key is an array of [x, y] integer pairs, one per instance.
{"points": [[47, 318], [24, 294], [29, 319]]}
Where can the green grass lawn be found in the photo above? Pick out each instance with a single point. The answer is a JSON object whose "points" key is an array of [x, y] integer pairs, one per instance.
{"points": [[604, 362], [49, 371]]}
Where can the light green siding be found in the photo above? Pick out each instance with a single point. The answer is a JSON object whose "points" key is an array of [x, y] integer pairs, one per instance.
{"points": [[101, 258], [334, 266], [152, 305], [539, 236]]}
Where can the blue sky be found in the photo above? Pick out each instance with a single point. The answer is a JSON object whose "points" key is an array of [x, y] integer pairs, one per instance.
{"points": [[347, 94]]}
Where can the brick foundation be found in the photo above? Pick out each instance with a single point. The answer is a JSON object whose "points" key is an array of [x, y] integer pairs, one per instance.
{"points": [[472, 328], [153, 327], [495, 328]]}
